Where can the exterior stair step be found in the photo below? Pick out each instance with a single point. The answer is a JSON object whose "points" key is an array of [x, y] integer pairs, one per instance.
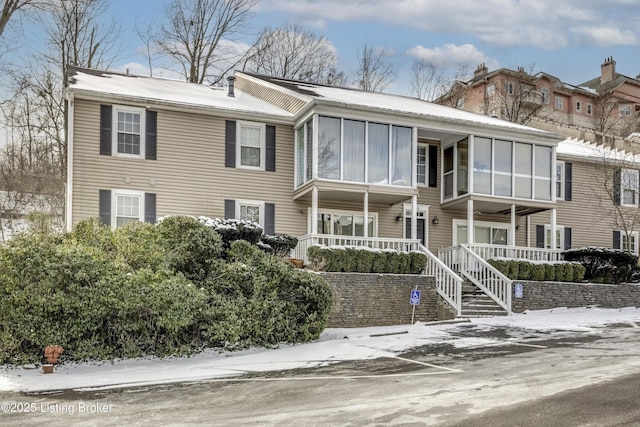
{"points": [[475, 303]]}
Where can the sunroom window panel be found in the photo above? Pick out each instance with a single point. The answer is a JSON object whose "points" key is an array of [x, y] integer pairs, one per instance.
{"points": [[378, 153], [482, 166], [543, 161], [503, 156], [523, 187], [300, 163], [329, 148], [463, 167], [354, 143], [543, 189], [401, 172], [309, 143], [448, 172], [502, 184], [523, 159]]}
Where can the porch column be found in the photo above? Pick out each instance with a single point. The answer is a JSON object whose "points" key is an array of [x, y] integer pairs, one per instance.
{"points": [[314, 210], [366, 214], [414, 217], [553, 242], [512, 228], [470, 233], [528, 231]]}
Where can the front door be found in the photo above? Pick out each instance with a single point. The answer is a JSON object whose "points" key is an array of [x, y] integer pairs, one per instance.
{"points": [[419, 229]]}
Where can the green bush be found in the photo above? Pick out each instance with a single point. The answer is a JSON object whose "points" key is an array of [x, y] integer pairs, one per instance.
{"points": [[604, 265], [282, 244], [512, 269], [146, 290], [549, 272], [578, 272], [524, 270], [363, 260], [537, 272], [191, 246]]}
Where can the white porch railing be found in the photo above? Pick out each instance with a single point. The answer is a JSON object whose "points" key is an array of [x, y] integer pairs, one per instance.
{"points": [[515, 252], [480, 273], [448, 283], [305, 242]]}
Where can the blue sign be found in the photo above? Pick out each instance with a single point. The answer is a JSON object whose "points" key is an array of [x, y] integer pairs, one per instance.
{"points": [[519, 290], [415, 297]]}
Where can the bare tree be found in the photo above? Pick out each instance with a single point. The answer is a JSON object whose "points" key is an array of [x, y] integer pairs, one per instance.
{"points": [[428, 79], [375, 72], [615, 191], [9, 8], [291, 52], [514, 97], [199, 34]]}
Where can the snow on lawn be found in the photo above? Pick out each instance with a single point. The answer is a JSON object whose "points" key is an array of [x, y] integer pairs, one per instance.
{"points": [[334, 345]]}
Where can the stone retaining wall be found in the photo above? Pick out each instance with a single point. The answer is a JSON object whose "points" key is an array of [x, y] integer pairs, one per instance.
{"points": [[547, 295], [361, 300]]}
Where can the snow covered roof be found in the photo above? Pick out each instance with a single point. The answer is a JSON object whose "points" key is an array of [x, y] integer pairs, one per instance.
{"points": [[91, 83], [397, 104], [579, 148]]}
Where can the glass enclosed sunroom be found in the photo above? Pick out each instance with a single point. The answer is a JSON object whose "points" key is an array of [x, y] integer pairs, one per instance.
{"points": [[372, 165], [364, 165]]}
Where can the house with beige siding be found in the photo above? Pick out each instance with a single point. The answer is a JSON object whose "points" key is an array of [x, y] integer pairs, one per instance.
{"points": [[329, 165]]}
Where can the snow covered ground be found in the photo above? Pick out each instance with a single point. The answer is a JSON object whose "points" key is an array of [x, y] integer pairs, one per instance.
{"points": [[334, 345]]}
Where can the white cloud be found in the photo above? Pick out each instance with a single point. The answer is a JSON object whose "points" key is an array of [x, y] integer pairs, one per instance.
{"points": [[605, 36], [452, 55], [544, 24]]}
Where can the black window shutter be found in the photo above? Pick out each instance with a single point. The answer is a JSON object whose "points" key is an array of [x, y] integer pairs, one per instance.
{"points": [[617, 241], [105, 129], [616, 186], [539, 236], [270, 154], [230, 144], [151, 139], [567, 238], [269, 218], [433, 166], [105, 207], [150, 207], [229, 209], [568, 181]]}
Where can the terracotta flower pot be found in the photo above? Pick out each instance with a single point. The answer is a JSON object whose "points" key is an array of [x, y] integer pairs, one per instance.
{"points": [[47, 368], [52, 353], [299, 263]]}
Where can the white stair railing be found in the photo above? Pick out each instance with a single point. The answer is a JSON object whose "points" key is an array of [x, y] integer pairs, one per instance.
{"points": [[482, 274], [448, 283]]}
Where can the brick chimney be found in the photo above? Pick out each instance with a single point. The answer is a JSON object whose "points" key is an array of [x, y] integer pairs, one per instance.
{"points": [[481, 70], [608, 69]]}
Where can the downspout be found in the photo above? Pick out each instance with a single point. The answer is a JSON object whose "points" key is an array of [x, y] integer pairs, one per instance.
{"points": [[68, 204]]}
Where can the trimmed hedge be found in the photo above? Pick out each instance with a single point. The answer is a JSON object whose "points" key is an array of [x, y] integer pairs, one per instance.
{"points": [[146, 290], [604, 265], [539, 272], [364, 260]]}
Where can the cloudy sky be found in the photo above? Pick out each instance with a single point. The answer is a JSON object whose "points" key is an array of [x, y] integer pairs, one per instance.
{"points": [[566, 38]]}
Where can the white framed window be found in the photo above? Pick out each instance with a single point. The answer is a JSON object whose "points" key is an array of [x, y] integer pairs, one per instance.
{"points": [[629, 187], [127, 207], [492, 233], [630, 242], [508, 85], [589, 109], [491, 89], [624, 110], [579, 106], [559, 180], [559, 103], [559, 236], [345, 223], [544, 92], [250, 210], [129, 129], [251, 145], [422, 172]]}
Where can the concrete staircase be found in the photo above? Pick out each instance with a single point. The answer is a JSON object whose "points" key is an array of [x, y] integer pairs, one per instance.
{"points": [[476, 303]]}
